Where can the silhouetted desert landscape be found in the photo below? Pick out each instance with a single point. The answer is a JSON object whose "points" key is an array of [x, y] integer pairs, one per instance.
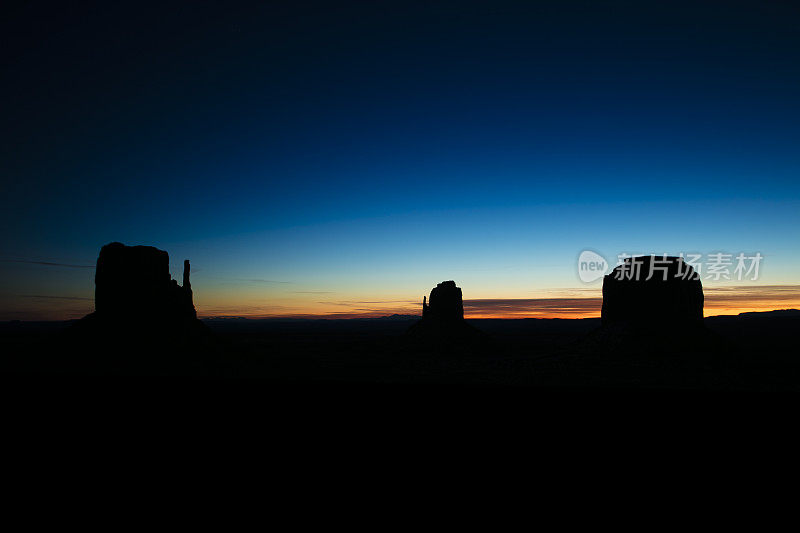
{"points": [[652, 335], [309, 198]]}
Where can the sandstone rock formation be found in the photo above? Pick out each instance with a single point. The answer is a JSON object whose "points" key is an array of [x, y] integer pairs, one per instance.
{"points": [[652, 291], [144, 323], [134, 282], [652, 309], [443, 326], [445, 303]]}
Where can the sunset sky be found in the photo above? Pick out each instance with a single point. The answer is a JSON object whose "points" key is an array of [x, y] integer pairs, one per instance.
{"points": [[342, 160]]}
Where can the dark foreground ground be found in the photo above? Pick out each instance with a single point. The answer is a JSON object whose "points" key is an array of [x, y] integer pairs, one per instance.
{"points": [[754, 351], [293, 405]]}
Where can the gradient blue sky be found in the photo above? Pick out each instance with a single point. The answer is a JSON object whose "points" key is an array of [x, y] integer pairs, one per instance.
{"points": [[345, 158]]}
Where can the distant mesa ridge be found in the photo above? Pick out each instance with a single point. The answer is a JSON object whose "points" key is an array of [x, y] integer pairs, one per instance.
{"points": [[652, 290], [134, 281]]}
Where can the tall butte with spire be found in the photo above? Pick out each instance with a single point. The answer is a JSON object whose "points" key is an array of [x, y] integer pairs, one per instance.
{"points": [[144, 322], [134, 281]]}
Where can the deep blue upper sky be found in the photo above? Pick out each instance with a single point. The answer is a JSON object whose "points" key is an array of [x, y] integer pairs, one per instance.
{"points": [[387, 131]]}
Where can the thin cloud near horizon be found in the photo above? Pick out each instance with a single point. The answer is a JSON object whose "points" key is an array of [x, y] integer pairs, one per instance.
{"points": [[45, 263], [82, 298]]}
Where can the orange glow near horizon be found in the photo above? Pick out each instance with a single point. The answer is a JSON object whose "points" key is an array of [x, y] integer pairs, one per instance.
{"points": [[564, 304], [718, 301]]}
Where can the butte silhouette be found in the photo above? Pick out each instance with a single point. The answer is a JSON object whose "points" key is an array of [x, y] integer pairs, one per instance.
{"points": [[142, 317], [650, 304], [134, 281], [653, 292], [442, 320]]}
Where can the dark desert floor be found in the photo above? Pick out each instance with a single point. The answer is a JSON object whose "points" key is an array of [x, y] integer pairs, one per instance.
{"points": [[753, 351]]}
